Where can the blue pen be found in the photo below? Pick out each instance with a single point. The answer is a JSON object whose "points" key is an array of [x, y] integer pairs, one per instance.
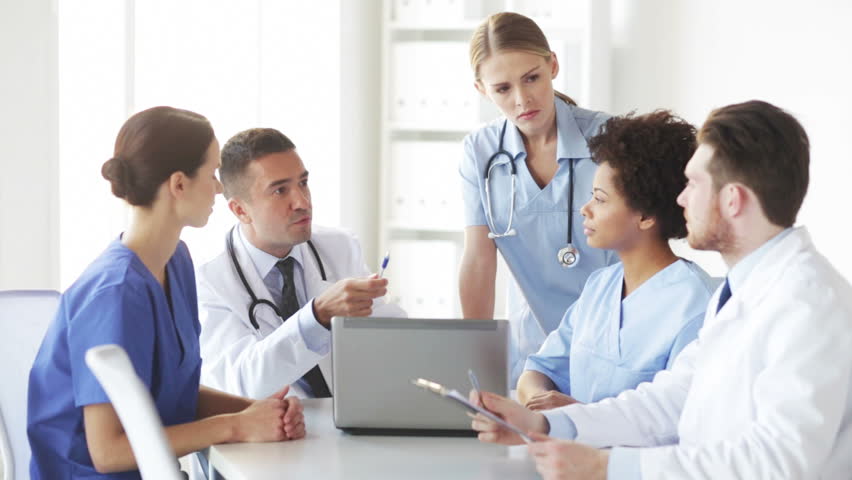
{"points": [[474, 382], [384, 264]]}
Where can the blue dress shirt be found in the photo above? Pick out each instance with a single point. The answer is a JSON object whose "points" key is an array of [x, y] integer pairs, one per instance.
{"points": [[316, 336]]}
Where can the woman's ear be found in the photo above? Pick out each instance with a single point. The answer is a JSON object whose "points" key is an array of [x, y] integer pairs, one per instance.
{"points": [[177, 184], [646, 222], [479, 88], [554, 65]]}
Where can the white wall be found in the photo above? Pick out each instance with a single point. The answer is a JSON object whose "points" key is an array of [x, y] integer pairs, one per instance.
{"points": [[328, 108], [29, 139], [360, 77], [693, 56], [687, 56]]}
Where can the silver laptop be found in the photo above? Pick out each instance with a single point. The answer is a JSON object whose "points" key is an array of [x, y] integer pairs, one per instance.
{"points": [[374, 361]]}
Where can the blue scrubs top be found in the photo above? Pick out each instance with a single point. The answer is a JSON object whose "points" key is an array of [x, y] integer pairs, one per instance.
{"points": [[540, 220], [116, 300], [606, 344]]}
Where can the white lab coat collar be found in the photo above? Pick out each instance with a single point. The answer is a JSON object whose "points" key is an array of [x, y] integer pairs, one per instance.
{"points": [[739, 273], [764, 274], [264, 262], [314, 284], [254, 280]]}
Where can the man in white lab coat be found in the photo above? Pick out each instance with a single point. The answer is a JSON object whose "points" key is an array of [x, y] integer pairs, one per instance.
{"points": [[267, 301], [764, 392]]}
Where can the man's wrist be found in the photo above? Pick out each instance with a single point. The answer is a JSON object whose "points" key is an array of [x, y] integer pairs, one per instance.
{"points": [[603, 464], [319, 314], [543, 423]]}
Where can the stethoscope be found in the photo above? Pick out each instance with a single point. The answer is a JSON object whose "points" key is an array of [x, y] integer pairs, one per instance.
{"points": [[568, 256], [256, 302]]}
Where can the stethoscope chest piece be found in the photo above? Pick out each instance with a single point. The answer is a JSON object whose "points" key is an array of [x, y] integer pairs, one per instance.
{"points": [[568, 256]]}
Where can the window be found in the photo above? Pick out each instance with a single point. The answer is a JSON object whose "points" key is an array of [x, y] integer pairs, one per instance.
{"points": [[242, 64]]}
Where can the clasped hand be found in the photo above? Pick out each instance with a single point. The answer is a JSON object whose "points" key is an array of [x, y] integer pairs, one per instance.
{"points": [[272, 419]]}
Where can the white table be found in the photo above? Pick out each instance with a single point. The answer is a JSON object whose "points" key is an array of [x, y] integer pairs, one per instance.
{"points": [[328, 453]]}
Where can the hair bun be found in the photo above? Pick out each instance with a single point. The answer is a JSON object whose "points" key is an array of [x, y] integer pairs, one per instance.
{"points": [[117, 172]]}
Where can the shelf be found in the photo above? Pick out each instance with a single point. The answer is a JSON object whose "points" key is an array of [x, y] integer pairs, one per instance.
{"points": [[465, 26], [401, 227], [548, 25], [406, 233], [413, 127]]}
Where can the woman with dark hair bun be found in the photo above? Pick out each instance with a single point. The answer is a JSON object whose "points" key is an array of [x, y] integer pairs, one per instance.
{"points": [[140, 294], [633, 317]]}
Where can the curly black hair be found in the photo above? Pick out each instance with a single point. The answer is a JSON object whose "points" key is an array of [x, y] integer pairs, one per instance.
{"points": [[649, 154]]}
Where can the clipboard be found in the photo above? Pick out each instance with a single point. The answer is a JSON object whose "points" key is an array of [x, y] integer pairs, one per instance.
{"points": [[458, 399]]}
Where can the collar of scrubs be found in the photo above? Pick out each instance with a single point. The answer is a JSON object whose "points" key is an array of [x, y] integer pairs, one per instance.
{"points": [[264, 262], [570, 142], [739, 272]]}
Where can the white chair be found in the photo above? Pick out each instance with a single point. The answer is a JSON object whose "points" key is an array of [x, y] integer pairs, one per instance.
{"points": [[24, 318], [135, 408]]}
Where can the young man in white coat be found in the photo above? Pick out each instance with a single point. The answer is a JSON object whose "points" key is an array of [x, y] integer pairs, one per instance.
{"points": [[267, 301], [764, 392]]}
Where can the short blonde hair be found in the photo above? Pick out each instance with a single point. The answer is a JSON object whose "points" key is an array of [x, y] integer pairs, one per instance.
{"points": [[508, 31]]}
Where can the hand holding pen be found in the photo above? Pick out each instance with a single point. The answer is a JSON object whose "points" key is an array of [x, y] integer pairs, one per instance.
{"points": [[475, 398], [509, 411], [384, 264], [351, 297]]}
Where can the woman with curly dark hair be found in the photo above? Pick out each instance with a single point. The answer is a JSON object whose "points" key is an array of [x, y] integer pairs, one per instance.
{"points": [[633, 317]]}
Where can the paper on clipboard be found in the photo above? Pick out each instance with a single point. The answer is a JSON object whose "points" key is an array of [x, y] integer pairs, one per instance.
{"points": [[460, 400]]}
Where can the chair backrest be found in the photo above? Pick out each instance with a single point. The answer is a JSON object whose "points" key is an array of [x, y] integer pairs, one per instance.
{"points": [[24, 318], [132, 402]]}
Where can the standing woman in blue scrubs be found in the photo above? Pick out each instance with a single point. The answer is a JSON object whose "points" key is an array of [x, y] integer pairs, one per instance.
{"points": [[542, 136], [140, 294]]}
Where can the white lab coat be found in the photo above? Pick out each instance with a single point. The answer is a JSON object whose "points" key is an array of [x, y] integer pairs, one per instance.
{"points": [[764, 392], [239, 359]]}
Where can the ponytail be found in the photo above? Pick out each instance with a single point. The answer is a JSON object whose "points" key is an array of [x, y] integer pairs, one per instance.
{"points": [[565, 98]]}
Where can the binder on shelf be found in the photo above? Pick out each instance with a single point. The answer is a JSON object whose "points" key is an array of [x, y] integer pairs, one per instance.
{"points": [[428, 13], [569, 81], [571, 14], [539, 10], [432, 85], [405, 11], [426, 187], [404, 79]]}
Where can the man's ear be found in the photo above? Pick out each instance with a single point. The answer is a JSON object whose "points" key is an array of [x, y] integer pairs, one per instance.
{"points": [[733, 199], [238, 209]]}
